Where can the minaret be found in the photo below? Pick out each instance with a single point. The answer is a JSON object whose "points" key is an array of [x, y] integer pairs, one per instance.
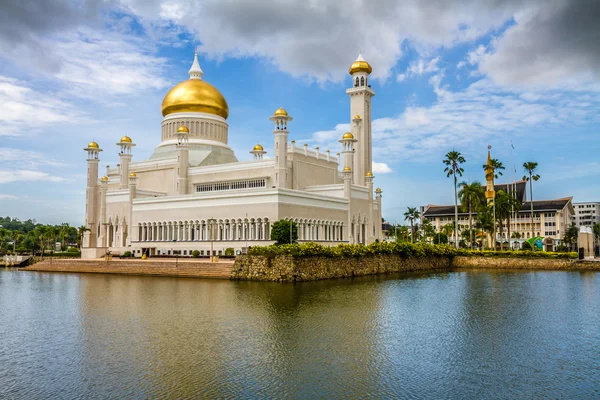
{"points": [[371, 213], [360, 113], [258, 151], [347, 187], [90, 237], [280, 118], [182, 158], [347, 142], [490, 192], [103, 222], [125, 158], [377, 221]]}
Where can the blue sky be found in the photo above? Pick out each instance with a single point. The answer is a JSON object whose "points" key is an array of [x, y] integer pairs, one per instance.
{"points": [[447, 75]]}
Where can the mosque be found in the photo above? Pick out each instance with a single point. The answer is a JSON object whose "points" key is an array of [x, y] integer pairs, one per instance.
{"points": [[194, 194]]}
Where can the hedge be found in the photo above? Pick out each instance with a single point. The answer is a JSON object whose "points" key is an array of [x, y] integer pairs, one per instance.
{"points": [[402, 249]]}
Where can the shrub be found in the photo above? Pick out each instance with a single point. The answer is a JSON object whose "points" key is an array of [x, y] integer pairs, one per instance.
{"points": [[195, 253], [72, 250], [562, 248], [280, 232], [127, 254], [526, 246], [440, 238], [229, 251]]}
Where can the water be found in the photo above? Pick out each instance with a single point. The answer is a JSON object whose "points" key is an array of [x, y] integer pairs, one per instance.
{"points": [[476, 334]]}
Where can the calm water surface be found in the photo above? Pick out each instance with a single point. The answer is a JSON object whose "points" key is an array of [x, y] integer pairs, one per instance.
{"points": [[459, 335]]}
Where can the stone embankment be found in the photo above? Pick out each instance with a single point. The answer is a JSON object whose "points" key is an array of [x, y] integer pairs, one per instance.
{"points": [[182, 268], [524, 263], [290, 269]]}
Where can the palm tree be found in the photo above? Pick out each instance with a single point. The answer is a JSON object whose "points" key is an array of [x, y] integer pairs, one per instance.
{"points": [[530, 168], [448, 229], [497, 168], [452, 162], [428, 229], [411, 214], [505, 204], [485, 220], [470, 196]]}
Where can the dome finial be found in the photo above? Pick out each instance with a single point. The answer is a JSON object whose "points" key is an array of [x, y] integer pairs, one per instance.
{"points": [[196, 72]]}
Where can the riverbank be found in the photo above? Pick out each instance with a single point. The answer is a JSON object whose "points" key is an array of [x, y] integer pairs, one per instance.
{"points": [[163, 267], [475, 262]]}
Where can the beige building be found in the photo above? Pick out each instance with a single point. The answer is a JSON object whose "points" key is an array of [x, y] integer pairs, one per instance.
{"points": [[193, 193]]}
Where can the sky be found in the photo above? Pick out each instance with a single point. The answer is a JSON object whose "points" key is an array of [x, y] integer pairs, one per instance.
{"points": [[448, 75]]}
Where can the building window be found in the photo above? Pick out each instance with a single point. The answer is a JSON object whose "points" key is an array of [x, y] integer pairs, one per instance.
{"points": [[235, 185]]}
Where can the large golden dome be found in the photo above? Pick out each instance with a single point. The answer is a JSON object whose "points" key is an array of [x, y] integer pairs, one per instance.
{"points": [[195, 95]]}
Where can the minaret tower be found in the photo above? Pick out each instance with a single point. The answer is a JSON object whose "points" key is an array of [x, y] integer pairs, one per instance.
{"points": [[360, 113], [370, 231], [490, 192], [91, 195], [347, 142], [125, 158], [280, 118], [183, 134]]}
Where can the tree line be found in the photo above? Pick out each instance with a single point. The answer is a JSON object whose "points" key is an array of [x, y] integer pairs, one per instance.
{"points": [[30, 236]]}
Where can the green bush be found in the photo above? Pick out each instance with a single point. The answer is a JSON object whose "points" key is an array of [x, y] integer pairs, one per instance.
{"points": [[127, 254], [229, 251], [440, 238], [195, 253], [562, 248], [526, 246], [72, 250], [280, 232]]}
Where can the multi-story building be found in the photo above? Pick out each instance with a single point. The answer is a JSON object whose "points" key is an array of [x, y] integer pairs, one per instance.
{"points": [[586, 214]]}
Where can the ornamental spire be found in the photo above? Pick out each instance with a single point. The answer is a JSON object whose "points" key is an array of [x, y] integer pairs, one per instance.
{"points": [[196, 72]]}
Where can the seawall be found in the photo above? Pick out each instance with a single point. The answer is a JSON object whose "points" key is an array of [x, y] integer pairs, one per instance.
{"points": [[473, 262], [290, 269], [182, 268]]}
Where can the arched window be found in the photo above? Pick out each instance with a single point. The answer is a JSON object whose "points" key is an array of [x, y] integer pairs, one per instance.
{"points": [[356, 85], [362, 81]]}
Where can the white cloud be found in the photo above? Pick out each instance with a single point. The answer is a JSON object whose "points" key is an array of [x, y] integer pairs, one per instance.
{"points": [[31, 159], [7, 197], [8, 176], [24, 108], [380, 168]]}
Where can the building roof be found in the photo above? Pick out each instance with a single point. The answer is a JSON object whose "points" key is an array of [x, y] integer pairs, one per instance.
{"points": [[520, 187], [538, 205]]}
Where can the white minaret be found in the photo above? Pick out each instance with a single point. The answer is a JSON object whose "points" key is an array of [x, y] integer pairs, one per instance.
{"points": [[91, 195], [125, 144], [347, 187], [347, 142], [132, 196], [371, 213], [280, 118], [377, 221], [103, 222], [360, 113], [183, 134], [258, 151]]}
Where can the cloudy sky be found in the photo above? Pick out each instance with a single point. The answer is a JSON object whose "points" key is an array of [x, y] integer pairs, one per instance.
{"points": [[449, 74]]}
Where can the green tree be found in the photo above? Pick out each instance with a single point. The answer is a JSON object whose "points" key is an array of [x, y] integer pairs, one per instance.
{"points": [[505, 205], [453, 168], [411, 214], [440, 238], [571, 236], [485, 221], [280, 232], [471, 197], [497, 168], [530, 168], [428, 230], [80, 232], [448, 229], [596, 230]]}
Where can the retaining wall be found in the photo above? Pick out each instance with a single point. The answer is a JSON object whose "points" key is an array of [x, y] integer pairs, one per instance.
{"points": [[523, 263]]}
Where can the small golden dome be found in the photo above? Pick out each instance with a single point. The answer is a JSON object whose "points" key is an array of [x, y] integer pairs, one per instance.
{"points": [[280, 112], [348, 135], [183, 129], [347, 169], [133, 174], [126, 139], [104, 178], [369, 173], [93, 145], [258, 147], [357, 116], [317, 148], [360, 65], [378, 190], [195, 95]]}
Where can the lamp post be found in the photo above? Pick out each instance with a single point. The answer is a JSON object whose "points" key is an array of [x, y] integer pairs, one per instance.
{"points": [[176, 255]]}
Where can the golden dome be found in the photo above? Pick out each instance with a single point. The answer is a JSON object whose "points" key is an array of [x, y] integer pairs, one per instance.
{"points": [[348, 135], [360, 65], [195, 95], [369, 173], [104, 178], [347, 169], [258, 147], [133, 174], [357, 116], [93, 145], [280, 112], [126, 139], [378, 190], [183, 129]]}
